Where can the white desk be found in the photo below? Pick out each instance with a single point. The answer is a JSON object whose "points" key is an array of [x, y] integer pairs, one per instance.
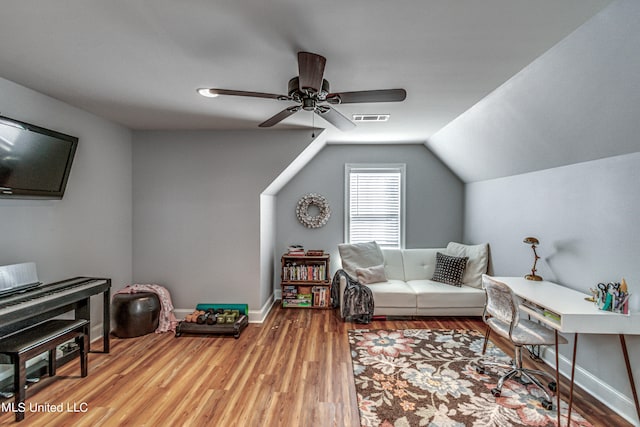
{"points": [[576, 315]]}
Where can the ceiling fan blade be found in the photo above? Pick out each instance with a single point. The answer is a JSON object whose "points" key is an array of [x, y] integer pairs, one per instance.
{"points": [[384, 95], [216, 91], [279, 117], [310, 71], [335, 118]]}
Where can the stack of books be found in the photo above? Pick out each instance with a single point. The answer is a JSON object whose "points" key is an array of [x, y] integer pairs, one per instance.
{"points": [[292, 298], [289, 292], [320, 296], [296, 250]]}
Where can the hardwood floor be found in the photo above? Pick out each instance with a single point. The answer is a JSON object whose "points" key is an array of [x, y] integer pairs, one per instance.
{"points": [[292, 370]]}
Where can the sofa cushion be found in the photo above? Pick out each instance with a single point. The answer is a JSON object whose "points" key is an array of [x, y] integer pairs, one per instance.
{"points": [[430, 294], [419, 263], [449, 269], [372, 274], [478, 261], [393, 263], [393, 293], [359, 255]]}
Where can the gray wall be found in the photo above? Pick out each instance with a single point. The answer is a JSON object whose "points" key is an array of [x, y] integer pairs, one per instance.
{"points": [[434, 205], [586, 217], [580, 96], [88, 232], [197, 212]]}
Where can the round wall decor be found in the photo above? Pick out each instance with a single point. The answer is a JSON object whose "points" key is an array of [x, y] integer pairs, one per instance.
{"points": [[302, 210]]}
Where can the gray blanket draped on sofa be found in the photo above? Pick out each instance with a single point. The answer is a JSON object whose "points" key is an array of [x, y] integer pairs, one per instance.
{"points": [[357, 303]]}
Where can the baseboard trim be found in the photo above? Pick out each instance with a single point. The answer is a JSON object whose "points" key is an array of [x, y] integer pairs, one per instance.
{"points": [[180, 313], [261, 314], [96, 332], [599, 389]]}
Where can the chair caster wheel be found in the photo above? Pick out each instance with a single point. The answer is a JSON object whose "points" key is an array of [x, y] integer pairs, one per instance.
{"points": [[496, 392], [553, 386], [480, 370], [546, 404]]}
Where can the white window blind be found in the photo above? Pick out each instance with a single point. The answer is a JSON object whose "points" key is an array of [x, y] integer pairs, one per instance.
{"points": [[375, 204]]}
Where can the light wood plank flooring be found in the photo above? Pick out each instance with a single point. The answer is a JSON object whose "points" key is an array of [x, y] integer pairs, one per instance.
{"points": [[292, 370]]}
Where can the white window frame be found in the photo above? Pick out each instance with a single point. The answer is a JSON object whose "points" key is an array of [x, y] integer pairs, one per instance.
{"points": [[375, 167]]}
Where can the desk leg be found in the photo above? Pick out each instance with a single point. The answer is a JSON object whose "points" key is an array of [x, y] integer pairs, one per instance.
{"points": [[106, 318], [557, 380], [573, 371], [623, 343]]}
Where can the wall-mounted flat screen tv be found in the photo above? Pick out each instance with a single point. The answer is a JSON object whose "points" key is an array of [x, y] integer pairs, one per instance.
{"points": [[34, 162]]}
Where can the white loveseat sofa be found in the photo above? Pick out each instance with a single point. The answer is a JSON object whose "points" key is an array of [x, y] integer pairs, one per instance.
{"points": [[409, 289]]}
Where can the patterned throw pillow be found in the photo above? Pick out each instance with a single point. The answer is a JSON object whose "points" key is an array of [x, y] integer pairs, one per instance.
{"points": [[449, 269]]}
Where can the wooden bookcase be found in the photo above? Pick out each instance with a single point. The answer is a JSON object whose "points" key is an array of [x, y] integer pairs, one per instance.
{"points": [[305, 281]]}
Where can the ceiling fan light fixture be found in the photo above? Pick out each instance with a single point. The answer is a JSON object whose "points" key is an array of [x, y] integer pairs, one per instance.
{"points": [[308, 104], [206, 92]]}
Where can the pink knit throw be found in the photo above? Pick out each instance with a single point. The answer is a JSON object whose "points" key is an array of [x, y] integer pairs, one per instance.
{"points": [[167, 321]]}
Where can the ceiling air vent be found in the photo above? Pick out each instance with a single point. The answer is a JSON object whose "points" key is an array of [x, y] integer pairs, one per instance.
{"points": [[370, 117]]}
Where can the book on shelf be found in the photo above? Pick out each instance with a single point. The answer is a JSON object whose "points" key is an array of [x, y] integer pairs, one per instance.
{"points": [[301, 295], [296, 303], [289, 291], [320, 294], [304, 272], [295, 250], [298, 299], [315, 252]]}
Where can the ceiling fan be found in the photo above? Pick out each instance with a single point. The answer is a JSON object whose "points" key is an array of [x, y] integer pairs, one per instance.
{"points": [[311, 93]]}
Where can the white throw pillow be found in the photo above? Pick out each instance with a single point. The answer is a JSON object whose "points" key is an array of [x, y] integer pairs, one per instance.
{"points": [[477, 264], [359, 255], [373, 274]]}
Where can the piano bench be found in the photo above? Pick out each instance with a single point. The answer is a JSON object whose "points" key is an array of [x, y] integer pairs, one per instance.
{"points": [[28, 343]]}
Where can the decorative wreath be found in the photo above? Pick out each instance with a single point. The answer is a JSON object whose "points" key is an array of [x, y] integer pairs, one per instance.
{"points": [[302, 210]]}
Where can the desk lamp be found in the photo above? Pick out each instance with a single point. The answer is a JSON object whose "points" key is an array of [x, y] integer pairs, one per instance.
{"points": [[533, 242]]}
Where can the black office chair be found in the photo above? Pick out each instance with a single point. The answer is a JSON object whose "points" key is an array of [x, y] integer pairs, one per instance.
{"points": [[502, 315]]}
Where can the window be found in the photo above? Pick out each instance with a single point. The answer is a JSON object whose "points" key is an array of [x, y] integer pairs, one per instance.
{"points": [[375, 204]]}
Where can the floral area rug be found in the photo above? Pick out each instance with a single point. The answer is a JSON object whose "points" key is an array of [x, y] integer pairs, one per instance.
{"points": [[422, 377]]}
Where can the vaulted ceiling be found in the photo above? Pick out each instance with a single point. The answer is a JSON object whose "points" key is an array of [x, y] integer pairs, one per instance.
{"points": [[139, 62]]}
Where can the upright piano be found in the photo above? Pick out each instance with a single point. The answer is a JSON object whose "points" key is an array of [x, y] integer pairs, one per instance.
{"points": [[25, 302]]}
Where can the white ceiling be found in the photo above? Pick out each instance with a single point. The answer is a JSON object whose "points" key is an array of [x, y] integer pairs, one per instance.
{"points": [[139, 62]]}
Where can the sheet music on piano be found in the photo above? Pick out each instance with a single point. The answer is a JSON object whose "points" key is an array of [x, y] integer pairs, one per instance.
{"points": [[18, 277]]}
